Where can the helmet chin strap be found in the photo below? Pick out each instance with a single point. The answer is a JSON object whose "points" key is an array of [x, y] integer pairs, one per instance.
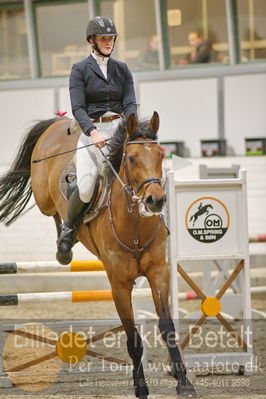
{"points": [[95, 47]]}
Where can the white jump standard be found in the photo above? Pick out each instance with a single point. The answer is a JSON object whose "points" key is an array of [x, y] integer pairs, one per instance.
{"points": [[208, 223]]}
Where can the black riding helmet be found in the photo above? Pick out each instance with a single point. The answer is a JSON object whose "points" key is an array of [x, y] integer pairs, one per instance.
{"points": [[100, 26]]}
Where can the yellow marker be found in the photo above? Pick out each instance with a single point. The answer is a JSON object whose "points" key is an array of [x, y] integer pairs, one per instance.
{"points": [[211, 306], [71, 347], [92, 296], [86, 266]]}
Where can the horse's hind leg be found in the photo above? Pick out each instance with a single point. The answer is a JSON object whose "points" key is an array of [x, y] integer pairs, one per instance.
{"points": [[122, 299], [159, 282]]}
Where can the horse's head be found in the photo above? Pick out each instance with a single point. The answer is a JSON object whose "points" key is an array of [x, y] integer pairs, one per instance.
{"points": [[142, 163]]}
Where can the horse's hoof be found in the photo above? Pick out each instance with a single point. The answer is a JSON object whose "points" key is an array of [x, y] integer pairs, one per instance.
{"points": [[186, 391], [142, 390], [64, 247], [64, 257]]}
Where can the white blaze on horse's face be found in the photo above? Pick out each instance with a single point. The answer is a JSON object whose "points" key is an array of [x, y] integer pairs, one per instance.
{"points": [[147, 147]]}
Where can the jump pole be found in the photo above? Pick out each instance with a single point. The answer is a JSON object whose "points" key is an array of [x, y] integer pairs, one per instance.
{"points": [[89, 296], [51, 267], [67, 296]]}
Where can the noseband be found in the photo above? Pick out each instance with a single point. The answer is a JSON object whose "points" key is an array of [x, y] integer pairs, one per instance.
{"points": [[150, 180]]}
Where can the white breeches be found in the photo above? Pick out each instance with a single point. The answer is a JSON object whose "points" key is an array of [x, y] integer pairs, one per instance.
{"points": [[89, 160]]}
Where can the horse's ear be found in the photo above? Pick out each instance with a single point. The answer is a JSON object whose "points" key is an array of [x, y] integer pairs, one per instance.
{"points": [[132, 124], [154, 122]]}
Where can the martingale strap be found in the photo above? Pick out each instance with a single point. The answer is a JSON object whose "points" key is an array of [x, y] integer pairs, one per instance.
{"points": [[137, 250]]}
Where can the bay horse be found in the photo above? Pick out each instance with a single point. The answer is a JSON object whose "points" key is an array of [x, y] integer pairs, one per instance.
{"points": [[129, 236]]}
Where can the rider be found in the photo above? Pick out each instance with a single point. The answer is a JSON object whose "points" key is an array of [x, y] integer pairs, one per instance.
{"points": [[101, 92]]}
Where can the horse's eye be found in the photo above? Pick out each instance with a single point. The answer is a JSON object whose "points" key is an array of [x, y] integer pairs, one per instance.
{"points": [[131, 159]]}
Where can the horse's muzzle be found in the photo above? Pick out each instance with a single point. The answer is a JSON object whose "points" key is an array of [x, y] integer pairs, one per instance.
{"points": [[155, 204]]}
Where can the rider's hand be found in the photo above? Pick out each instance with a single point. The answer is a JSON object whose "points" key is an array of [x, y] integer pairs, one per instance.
{"points": [[97, 138]]}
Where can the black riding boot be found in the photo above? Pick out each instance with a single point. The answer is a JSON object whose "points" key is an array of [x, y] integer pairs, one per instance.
{"points": [[65, 242]]}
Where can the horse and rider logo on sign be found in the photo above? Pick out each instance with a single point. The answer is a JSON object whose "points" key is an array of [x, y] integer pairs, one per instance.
{"points": [[207, 219]]}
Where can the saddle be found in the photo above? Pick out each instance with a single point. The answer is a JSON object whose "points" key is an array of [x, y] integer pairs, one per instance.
{"points": [[68, 182]]}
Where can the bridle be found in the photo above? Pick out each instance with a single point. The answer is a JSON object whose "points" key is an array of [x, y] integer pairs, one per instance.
{"points": [[150, 180], [135, 199]]}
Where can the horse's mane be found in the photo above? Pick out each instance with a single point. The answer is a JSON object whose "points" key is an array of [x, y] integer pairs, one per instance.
{"points": [[115, 145]]}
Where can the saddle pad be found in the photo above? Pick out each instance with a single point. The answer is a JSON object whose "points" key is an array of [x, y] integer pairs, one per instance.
{"points": [[68, 176], [74, 126], [68, 172]]}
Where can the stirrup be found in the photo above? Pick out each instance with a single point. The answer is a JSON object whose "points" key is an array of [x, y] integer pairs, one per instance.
{"points": [[67, 238]]}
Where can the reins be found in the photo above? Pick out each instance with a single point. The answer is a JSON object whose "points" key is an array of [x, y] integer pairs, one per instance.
{"points": [[129, 191], [128, 188]]}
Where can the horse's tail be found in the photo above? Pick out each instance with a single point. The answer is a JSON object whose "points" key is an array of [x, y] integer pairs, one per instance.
{"points": [[15, 187]]}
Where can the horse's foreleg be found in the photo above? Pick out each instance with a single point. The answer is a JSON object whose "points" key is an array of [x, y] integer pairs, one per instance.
{"points": [[122, 299], [159, 282], [58, 222]]}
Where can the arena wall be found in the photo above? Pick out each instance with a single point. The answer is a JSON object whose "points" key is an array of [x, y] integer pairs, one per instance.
{"points": [[190, 109]]}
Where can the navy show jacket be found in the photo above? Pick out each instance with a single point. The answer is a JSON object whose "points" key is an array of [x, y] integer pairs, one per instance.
{"points": [[92, 95]]}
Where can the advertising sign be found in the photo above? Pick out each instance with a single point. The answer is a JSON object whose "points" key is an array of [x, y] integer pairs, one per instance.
{"points": [[209, 219]]}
